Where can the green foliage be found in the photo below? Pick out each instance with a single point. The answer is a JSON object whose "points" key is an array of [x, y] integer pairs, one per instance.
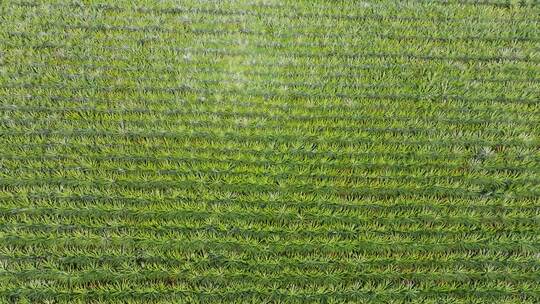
{"points": [[269, 151]]}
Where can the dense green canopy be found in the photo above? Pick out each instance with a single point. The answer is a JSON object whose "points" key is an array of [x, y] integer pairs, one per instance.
{"points": [[269, 151]]}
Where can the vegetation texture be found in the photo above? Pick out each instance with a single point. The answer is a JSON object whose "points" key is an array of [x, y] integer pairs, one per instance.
{"points": [[266, 151]]}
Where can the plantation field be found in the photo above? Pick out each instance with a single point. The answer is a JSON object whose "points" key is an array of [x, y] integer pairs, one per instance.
{"points": [[265, 151]]}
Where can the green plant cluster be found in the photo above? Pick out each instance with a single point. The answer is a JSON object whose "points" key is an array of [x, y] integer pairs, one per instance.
{"points": [[265, 151]]}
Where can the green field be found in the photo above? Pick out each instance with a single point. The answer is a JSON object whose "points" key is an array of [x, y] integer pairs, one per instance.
{"points": [[266, 151]]}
